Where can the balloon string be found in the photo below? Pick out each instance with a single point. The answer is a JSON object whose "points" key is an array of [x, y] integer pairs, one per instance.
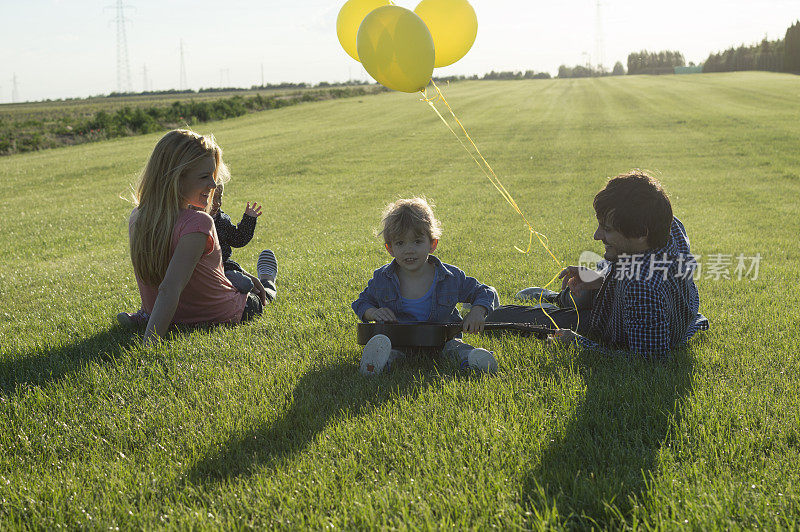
{"points": [[491, 175], [495, 181]]}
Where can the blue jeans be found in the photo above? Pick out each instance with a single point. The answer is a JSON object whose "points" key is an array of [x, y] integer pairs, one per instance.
{"points": [[253, 306], [239, 280]]}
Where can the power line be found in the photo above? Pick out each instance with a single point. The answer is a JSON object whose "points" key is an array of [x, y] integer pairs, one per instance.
{"points": [[123, 66], [224, 73], [145, 81], [183, 85], [14, 89], [598, 38]]}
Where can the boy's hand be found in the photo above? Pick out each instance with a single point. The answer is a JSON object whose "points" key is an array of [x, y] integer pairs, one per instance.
{"points": [[579, 278], [475, 320], [380, 315], [254, 211]]}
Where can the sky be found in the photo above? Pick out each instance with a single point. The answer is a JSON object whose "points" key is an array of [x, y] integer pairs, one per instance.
{"points": [[68, 48]]}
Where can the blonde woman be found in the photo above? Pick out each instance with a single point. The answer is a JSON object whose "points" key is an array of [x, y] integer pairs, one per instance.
{"points": [[174, 246]]}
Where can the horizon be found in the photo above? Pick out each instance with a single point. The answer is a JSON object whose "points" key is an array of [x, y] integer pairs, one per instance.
{"points": [[298, 44]]}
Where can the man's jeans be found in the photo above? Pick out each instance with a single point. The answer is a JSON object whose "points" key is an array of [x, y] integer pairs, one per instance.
{"points": [[564, 315]]}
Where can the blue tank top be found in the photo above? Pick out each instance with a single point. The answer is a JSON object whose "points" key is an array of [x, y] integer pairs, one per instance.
{"points": [[419, 308]]}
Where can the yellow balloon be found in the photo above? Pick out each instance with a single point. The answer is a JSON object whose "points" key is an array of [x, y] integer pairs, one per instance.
{"points": [[349, 19], [396, 48], [453, 26]]}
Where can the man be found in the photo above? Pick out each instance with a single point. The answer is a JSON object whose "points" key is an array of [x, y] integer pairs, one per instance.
{"points": [[642, 297]]}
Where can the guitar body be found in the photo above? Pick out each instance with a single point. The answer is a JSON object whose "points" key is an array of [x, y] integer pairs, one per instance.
{"points": [[436, 334]]}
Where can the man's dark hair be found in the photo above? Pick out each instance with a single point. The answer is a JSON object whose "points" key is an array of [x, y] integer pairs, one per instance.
{"points": [[635, 205]]}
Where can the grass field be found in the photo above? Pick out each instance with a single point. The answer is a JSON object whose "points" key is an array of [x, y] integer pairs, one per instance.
{"points": [[270, 424]]}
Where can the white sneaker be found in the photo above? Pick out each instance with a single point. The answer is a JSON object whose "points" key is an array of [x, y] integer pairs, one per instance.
{"points": [[482, 360], [376, 355]]}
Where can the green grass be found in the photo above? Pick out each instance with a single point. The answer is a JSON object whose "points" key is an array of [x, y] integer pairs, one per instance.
{"points": [[269, 424]]}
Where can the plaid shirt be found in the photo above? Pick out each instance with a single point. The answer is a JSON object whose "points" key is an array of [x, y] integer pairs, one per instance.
{"points": [[648, 303]]}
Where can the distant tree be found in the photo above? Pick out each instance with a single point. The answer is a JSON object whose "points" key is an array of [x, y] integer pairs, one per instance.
{"points": [[581, 71], [766, 55], [791, 57], [531, 74], [619, 70], [503, 75], [663, 62]]}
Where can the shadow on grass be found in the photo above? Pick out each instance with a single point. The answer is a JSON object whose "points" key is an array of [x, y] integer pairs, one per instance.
{"points": [[592, 474], [42, 365], [322, 395]]}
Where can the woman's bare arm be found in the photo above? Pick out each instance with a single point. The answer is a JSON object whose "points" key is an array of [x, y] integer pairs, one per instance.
{"points": [[181, 266]]}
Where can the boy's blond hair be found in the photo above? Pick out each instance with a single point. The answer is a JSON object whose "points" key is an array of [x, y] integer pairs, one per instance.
{"points": [[405, 215]]}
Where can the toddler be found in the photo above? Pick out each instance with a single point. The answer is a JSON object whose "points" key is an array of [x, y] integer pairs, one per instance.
{"points": [[236, 236], [417, 287]]}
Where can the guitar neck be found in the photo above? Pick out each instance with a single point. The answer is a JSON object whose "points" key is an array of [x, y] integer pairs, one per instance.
{"points": [[501, 326]]}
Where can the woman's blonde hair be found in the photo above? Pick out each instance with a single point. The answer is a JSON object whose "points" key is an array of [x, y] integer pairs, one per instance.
{"points": [[404, 215], [157, 197]]}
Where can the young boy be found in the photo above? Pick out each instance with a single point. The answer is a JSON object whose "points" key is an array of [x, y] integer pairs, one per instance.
{"points": [[418, 287], [642, 297]]}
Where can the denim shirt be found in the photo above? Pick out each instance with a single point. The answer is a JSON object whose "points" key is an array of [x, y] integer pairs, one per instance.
{"points": [[452, 286]]}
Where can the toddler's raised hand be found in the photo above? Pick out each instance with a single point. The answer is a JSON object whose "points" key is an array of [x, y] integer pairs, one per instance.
{"points": [[254, 211]]}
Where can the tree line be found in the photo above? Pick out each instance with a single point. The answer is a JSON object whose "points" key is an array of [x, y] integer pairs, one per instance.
{"points": [[768, 55], [782, 55], [588, 71], [663, 62]]}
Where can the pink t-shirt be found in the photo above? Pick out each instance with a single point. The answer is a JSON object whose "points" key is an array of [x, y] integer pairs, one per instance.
{"points": [[209, 297]]}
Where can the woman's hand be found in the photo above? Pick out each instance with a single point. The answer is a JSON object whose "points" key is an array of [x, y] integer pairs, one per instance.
{"points": [[258, 288], [475, 319], [254, 211]]}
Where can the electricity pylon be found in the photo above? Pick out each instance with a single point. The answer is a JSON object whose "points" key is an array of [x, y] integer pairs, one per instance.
{"points": [[183, 84], [598, 39], [145, 81], [14, 89], [123, 66]]}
